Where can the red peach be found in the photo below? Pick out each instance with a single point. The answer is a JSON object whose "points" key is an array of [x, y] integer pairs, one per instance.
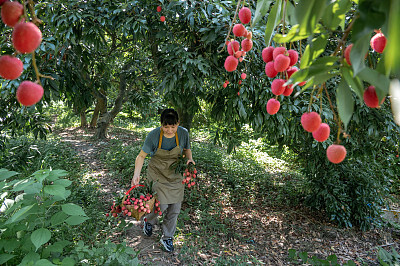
{"points": [[347, 54], [235, 45], [267, 54], [243, 75], [322, 133], [310, 121], [273, 106], [378, 42], [247, 44], [336, 153], [231, 63], [371, 98], [159, 9], [288, 90], [162, 18], [291, 71], [270, 70], [277, 86], [239, 30], [26, 37], [11, 13], [277, 51], [238, 54], [245, 15], [281, 62], [294, 56], [10, 67], [29, 93]]}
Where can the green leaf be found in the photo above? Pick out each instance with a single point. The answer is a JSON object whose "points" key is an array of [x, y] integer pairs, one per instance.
{"points": [[40, 237], [75, 220], [291, 36], [5, 257], [41, 175], [308, 13], [321, 65], [321, 78], [55, 174], [22, 184], [261, 10], [242, 111], [30, 258], [56, 190], [72, 209], [303, 256], [43, 262], [353, 82], [20, 214], [68, 262], [335, 13], [58, 218], [313, 50], [292, 254], [345, 102], [381, 67], [35, 188], [358, 52], [392, 51], [380, 81], [58, 246], [5, 174], [273, 18]]}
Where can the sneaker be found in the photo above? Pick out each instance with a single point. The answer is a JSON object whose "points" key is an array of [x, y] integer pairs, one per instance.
{"points": [[167, 244], [147, 228]]}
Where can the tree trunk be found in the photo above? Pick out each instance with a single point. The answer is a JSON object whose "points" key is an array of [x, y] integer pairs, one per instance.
{"points": [[83, 118], [185, 118], [102, 125], [93, 122], [101, 106], [106, 118]]}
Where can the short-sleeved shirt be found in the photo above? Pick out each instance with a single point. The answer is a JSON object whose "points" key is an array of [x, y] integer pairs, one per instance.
{"points": [[150, 145]]}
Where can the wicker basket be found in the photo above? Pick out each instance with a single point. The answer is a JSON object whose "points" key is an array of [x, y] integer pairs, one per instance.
{"points": [[136, 213]]}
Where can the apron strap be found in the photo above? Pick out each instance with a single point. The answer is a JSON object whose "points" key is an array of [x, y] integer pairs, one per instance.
{"points": [[161, 135], [160, 140]]}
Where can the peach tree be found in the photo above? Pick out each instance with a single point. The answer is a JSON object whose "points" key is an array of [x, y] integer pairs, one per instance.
{"points": [[333, 80]]}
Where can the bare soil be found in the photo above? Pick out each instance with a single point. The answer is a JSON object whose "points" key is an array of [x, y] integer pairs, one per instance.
{"points": [[266, 233]]}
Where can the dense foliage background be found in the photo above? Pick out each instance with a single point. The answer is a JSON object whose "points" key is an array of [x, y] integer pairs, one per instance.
{"points": [[114, 63]]}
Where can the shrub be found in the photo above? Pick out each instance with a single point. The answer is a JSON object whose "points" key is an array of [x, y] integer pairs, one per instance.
{"points": [[36, 221]]}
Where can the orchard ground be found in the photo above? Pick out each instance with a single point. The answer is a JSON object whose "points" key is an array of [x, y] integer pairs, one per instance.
{"points": [[223, 221]]}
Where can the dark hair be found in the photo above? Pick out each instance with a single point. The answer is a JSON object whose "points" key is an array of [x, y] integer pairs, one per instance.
{"points": [[169, 117]]}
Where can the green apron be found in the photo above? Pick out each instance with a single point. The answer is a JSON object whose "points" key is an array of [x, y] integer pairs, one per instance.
{"points": [[167, 183]]}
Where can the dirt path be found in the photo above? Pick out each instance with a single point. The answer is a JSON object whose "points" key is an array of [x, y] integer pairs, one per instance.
{"points": [[89, 151], [280, 229]]}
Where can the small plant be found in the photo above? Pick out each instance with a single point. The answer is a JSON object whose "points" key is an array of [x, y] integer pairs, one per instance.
{"points": [[388, 258], [302, 258], [32, 210]]}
